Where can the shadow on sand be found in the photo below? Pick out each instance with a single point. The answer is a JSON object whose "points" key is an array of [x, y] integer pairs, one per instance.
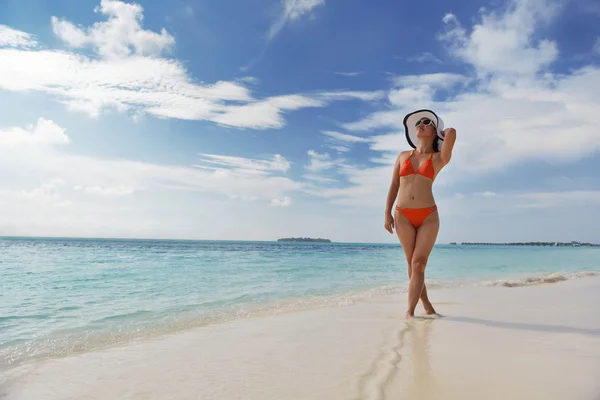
{"points": [[525, 326]]}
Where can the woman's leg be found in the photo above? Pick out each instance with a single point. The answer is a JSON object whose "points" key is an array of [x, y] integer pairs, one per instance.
{"points": [[424, 241], [407, 235]]}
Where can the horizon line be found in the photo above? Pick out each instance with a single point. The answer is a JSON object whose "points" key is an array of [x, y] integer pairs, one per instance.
{"points": [[275, 240]]}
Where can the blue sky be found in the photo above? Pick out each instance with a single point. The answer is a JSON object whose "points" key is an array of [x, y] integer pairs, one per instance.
{"points": [[258, 119]]}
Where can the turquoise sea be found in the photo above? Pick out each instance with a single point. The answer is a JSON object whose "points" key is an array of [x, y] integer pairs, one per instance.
{"points": [[61, 296]]}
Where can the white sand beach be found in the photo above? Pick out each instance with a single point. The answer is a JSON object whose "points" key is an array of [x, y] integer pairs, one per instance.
{"points": [[534, 342]]}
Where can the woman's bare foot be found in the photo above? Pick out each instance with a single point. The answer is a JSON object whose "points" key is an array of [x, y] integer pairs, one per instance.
{"points": [[429, 310], [409, 315]]}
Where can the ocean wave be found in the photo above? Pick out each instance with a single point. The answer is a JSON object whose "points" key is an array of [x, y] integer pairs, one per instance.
{"points": [[541, 279], [18, 317]]}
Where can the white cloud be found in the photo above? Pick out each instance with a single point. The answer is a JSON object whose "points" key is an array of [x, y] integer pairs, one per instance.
{"points": [[319, 161], [298, 8], [367, 187], [420, 89], [281, 202], [386, 119], [262, 114], [596, 48], [340, 149], [220, 176], [341, 142], [13, 38], [510, 118], [407, 91], [292, 10], [143, 85], [343, 137], [504, 116], [45, 195], [506, 113], [503, 42], [268, 113], [391, 142], [318, 178], [120, 36], [244, 166], [131, 76], [249, 79], [154, 86], [502, 124], [45, 132]]}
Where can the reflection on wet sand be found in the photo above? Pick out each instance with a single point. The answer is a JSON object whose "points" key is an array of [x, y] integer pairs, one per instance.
{"points": [[403, 368], [423, 385]]}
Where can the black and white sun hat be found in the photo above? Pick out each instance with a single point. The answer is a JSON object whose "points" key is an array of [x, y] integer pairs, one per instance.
{"points": [[411, 130]]}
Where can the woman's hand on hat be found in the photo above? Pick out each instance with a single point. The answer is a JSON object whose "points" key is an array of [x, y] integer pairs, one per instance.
{"points": [[448, 131]]}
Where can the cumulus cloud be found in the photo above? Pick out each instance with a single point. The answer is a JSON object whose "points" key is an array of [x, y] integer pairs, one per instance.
{"points": [[44, 132], [119, 36], [503, 42], [511, 109]]}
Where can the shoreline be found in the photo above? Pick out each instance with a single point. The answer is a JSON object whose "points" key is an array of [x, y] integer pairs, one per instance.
{"points": [[60, 346], [527, 244], [85, 341], [363, 350]]}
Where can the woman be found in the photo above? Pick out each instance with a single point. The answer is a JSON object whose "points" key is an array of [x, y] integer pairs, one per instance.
{"points": [[416, 217]]}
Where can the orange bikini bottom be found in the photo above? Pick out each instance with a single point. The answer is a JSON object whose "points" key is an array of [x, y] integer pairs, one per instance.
{"points": [[416, 216]]}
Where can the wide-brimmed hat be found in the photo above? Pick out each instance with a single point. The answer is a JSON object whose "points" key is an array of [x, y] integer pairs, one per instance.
{"points": [[411, 130]]}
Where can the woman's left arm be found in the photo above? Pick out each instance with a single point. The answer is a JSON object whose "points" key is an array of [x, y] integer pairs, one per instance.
{"points": [[449, 139]]}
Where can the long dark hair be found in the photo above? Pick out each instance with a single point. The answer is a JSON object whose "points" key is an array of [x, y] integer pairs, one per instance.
{"points": [[436, 144]]}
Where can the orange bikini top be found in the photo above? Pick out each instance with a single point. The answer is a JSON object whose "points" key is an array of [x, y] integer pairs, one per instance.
{"points": [[425, 170]]}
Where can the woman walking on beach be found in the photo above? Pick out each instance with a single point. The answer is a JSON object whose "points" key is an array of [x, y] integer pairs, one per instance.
{"points": [[416, 218]]}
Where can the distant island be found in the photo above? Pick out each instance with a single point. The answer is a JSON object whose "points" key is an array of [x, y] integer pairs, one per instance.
{"points": [[301, 239], [558, 244]]}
